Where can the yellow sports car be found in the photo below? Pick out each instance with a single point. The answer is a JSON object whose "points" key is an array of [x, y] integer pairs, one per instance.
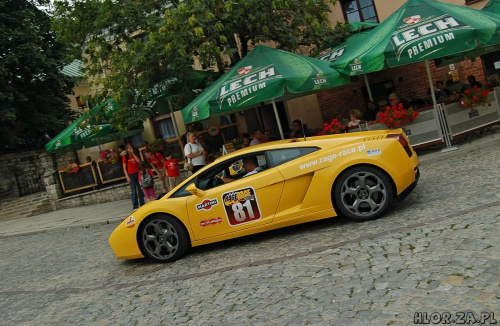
{"points": [[270, 186]]}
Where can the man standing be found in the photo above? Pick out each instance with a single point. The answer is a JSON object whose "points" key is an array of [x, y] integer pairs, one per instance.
{"points": [[195, 152], [257, 137]]}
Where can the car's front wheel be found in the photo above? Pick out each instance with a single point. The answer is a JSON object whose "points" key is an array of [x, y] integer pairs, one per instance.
{"points": [[363, 193], [163, 238]]}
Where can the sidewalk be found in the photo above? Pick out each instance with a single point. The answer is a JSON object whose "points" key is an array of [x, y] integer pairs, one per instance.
{"points": [[115, 212]]}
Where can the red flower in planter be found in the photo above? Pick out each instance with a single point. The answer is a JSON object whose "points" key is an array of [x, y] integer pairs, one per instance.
{"points": [[396, 115], [475, 96], [331, 128]]}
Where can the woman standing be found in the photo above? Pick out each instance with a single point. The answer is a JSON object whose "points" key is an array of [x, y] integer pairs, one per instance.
{"points": [[194, 151], [131, 169]]}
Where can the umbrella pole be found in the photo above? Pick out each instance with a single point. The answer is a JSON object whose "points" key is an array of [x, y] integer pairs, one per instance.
{"points": [[437, 113], [174, 122], [277, 119], [370, 96]]}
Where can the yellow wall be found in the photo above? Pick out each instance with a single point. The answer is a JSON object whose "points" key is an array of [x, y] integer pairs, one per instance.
{"points": [[306, 107], [385, 8]]}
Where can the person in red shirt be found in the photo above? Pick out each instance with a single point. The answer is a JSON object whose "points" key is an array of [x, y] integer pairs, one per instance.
{"points": [[172, 167], [157, 162], [131, 169], [146, 182]]}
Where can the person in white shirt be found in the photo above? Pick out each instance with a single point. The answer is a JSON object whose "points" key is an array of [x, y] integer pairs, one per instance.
{"points": [[257, 137], [194, 151]]}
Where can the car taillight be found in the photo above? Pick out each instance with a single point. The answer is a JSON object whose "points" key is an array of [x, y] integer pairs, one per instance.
{"points": [[400, 138]]}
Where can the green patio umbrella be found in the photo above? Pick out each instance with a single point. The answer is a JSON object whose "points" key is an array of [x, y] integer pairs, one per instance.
{"points": [[160, 97], [195, 82], [265, 74], [492, 6], [361, 26], [421, 30], [76, 137], [418, 31], [335, 52]]}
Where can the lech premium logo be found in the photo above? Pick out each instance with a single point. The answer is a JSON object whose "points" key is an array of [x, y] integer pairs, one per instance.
{"points": [[412, 19], [420, 36], [320, 80], [246, 86], [356, 65], [331, 54], [244, 70]]}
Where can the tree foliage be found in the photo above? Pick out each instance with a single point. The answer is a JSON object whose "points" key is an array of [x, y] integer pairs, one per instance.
{"points": [[33, 92], [133, 44]]}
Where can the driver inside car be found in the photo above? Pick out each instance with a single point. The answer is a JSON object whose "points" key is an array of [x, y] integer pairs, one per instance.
{"points": [[251, 166]]}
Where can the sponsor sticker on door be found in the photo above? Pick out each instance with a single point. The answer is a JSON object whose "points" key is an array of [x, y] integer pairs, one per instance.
{"points": [[241, 206], [207, 204]]}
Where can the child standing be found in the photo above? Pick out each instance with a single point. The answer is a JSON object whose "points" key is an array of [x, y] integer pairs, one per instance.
{"points": [[146, 181], [172, 167]]}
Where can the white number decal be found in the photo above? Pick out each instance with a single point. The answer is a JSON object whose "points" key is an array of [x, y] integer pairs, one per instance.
{"points": [[239, 212], [248, 205]]}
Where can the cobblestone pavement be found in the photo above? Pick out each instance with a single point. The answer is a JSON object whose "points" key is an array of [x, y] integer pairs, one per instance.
{"points": [[437, 251]]}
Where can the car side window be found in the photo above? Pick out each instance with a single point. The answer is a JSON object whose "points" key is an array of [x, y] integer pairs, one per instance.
{"points": [[230, 170], [182, 192], [280, 156]]}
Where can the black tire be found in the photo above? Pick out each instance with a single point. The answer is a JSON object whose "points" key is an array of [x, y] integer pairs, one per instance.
{"points": [[363, 193], [163, 238]]}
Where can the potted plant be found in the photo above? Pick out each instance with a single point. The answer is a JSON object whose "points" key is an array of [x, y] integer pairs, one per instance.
{"points": [[334, 127], [157, 145], [475, 96], [109, 156], [395, 116], [71, 168]]}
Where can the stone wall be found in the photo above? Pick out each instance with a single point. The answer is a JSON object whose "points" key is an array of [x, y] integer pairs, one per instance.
{"points": [[62, 160], [24, 164], [104, 195]]}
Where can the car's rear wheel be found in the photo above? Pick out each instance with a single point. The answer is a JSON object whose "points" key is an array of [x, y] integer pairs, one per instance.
{"points": [[363, 193], [163, 238]]}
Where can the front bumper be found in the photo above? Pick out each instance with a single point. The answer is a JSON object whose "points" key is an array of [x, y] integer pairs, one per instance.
{"points": [[123, 242]]}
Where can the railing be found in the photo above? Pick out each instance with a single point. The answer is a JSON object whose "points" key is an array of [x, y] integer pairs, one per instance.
{"points": [[110, 172], [461, 120], [424, 131], [80, 179]]}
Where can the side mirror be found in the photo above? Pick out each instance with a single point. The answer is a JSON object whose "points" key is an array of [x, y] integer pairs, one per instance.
{"points": [[195, 191]]}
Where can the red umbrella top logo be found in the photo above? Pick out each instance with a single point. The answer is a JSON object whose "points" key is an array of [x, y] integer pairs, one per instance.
{"points": [[244, 70], [412, 20], [324, 51]]}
